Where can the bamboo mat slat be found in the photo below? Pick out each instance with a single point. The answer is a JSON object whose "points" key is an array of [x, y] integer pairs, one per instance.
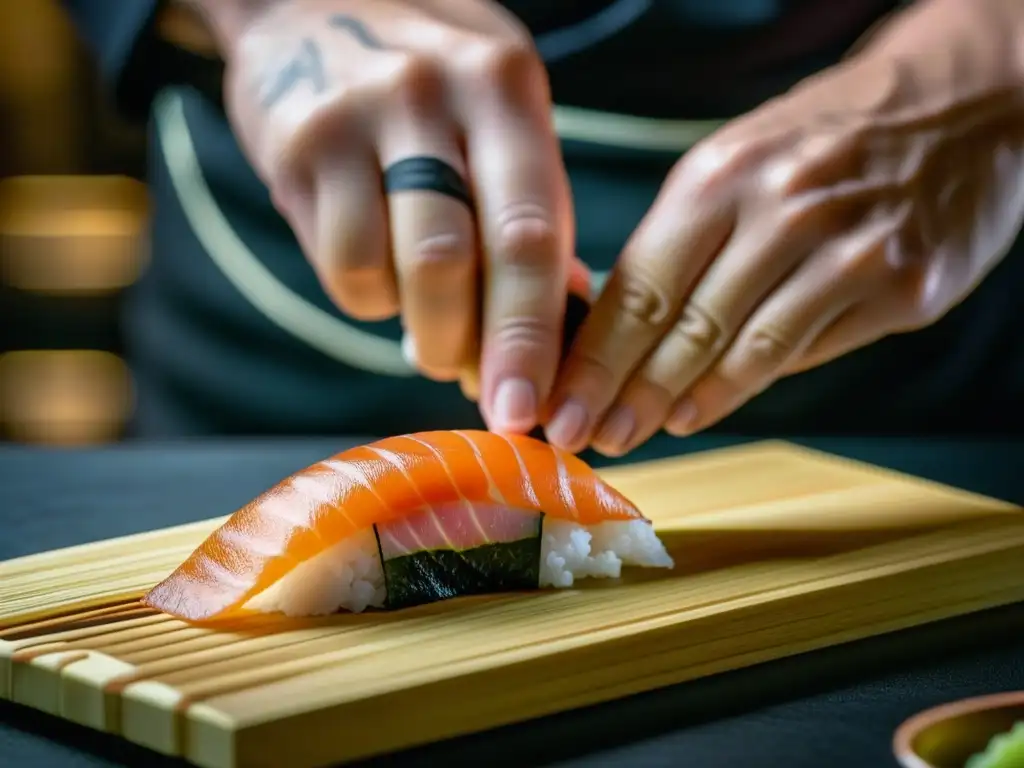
{"points": [[779, 550]]}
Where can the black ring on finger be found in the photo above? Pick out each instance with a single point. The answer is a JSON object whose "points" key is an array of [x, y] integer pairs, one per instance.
{"points": [[426, 174]]}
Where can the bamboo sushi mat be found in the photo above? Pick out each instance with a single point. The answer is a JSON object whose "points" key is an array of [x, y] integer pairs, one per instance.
{"points": [[779, 550]]}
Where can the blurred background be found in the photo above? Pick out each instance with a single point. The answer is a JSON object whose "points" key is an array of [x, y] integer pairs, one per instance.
{"points": [[73, 217]]}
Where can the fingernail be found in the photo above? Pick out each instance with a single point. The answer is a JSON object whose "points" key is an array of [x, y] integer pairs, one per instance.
{"points": [[615, 435], [515, 406], [568, 426], [681, 422]]}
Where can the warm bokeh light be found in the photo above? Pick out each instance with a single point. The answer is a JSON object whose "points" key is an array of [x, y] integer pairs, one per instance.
{"points": [[72, 234], [39, 70], [65, 397]]}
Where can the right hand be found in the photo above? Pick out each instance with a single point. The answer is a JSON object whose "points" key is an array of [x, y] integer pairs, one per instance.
{"points": [[324, 94]]}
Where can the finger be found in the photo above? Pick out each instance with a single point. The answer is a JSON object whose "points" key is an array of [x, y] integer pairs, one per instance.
{"points": [[350, 247], [858, 327], [467, 375], [576, 309], [753, 263], [643, 295], [831, 284], [526, 227], [910, 296], [433, 242]]}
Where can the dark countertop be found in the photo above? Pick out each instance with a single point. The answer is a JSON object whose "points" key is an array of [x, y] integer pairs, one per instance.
{"points": [[835, 708]]}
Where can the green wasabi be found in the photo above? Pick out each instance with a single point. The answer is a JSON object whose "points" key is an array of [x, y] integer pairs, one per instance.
{"points": [[1006, 750]]}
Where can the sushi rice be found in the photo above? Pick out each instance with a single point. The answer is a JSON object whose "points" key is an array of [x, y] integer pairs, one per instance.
{"points": [[349, 575]]}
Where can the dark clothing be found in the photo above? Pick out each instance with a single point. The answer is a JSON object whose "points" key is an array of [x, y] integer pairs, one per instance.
{"points": [[215, 350], [661, 58]]}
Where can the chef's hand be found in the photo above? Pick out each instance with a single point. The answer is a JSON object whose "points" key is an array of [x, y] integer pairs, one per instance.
{"points": [[325, 95], [868, 201]]}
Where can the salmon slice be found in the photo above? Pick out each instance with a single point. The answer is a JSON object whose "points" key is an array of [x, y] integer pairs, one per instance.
{"points": [[437, 492]]}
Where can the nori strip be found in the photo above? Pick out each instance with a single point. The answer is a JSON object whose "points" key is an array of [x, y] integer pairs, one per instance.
{"points": [[576, 310], [440, 574]]}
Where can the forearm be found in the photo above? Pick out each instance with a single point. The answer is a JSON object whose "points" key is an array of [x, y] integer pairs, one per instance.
{"points": [[957, 47]]}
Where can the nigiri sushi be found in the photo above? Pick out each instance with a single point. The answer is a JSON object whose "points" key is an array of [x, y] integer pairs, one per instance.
{"points": [[410, 520]]}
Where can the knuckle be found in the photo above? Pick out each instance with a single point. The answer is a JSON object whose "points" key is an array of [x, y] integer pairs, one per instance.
{"points": [[414, 82], [781, 177], [756, 359], [713, 164], [766, 349], [525, 236], [438, 256], [698, 329], [523, 333], [294, 137], [641, 297], [704, 166], [511, 66]]}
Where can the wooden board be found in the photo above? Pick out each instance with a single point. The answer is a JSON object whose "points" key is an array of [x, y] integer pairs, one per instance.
{"points": [[780, 550]]}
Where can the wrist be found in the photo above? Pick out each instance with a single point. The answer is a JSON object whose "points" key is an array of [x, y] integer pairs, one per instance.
{"points": [[969, 45]]}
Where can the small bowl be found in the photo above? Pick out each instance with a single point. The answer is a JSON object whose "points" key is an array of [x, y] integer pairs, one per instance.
{"points": [[948, 736]]}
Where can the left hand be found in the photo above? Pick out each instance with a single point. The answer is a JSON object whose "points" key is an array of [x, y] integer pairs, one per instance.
{"points": [[865, 202]]}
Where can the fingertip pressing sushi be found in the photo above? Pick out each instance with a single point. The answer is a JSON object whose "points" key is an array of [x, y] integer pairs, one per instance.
{"points": [[410, 520]]}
